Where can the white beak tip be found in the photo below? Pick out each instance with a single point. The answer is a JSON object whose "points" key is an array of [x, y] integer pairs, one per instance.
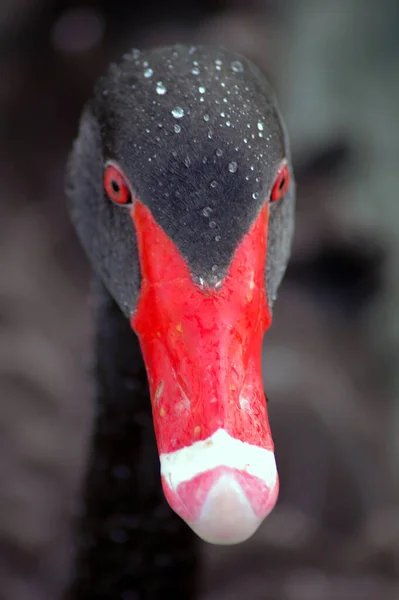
{"points": [[223, 490], [227, 516]]}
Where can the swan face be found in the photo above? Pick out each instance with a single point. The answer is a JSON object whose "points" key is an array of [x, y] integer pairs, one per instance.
{"points": [[193, 247]]}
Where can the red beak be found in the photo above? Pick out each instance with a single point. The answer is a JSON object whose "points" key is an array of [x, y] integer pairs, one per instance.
{"points": [[202, 350]]}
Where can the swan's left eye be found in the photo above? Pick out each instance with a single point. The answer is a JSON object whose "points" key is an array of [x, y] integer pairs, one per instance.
{"points": [[116, 186], [282, 183]]}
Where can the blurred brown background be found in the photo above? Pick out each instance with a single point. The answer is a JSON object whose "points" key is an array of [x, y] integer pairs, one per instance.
{"points": [[330, 360]]}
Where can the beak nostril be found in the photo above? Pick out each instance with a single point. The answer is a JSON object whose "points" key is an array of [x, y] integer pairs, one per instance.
{"points": [[182, 385]]}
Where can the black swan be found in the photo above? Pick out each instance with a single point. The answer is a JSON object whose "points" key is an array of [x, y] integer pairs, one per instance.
{"points": [[181, 191]]}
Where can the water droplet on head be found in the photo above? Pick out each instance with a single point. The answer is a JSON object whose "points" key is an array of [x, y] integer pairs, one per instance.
{"points": [[260, 125], [148, 73], [145, 63], [206, 211], [237, 66], [228, 123], [233, 167], [212, 224], [160, 89], [201, 89], [210, 134], [214, 268], [206, 117], [255, 195], [178, 112], [219, 152], [217, 238], [192, 50], [195, 71], [177, 128], [131, 55], [214, 184]]}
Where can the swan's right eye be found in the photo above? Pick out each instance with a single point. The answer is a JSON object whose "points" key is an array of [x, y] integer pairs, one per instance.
{"points": [[116, 186], [282, 182]]}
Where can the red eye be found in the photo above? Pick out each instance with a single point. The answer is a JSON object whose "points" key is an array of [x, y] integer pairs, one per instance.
{"points": [[281, 184], [115, 185]]}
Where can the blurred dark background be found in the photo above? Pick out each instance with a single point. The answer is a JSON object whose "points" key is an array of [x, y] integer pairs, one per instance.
{"points": [[330, 360]]}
